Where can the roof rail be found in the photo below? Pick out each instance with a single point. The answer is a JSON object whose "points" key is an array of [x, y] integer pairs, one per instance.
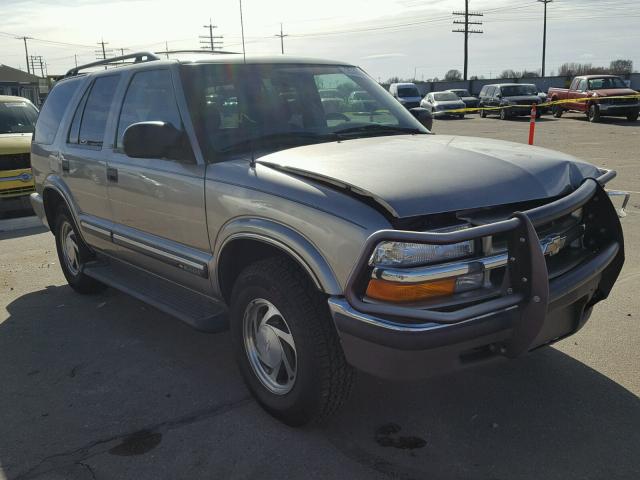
{"points": [[213, 52], [138, 57]]}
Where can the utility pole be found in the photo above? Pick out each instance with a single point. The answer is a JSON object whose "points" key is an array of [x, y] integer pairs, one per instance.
{"points": [[544, 34], [210, 42], [102, 54], [75, 57], [37, 61], [466, 14], [281, 35], [26, 51]]}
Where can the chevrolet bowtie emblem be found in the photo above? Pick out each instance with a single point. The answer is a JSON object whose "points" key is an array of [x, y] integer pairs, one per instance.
{"points": [[553, 245], [25, 177]]}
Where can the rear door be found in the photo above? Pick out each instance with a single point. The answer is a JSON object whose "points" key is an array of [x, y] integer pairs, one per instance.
{"points": [[158, 204], [83, 158]]}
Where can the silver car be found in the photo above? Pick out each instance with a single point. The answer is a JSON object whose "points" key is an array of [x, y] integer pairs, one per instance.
{"points": [[325, 240], [443, 104]]}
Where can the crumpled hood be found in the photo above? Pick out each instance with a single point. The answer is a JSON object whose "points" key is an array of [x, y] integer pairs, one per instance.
{"points": [[411, 175]]}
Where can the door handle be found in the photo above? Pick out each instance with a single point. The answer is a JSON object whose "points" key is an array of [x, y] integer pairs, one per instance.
{"points": [[112, 174], [65, 164]]}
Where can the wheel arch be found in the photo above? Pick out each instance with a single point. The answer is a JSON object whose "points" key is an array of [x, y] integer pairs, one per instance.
{"points": [[247, 240]]}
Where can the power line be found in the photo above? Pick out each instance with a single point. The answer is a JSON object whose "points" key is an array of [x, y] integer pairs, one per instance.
{"points": [[281, 35], [467, 31]]}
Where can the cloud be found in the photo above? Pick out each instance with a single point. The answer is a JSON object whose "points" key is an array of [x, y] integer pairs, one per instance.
{"points": [[383, 56], [587, 56]]}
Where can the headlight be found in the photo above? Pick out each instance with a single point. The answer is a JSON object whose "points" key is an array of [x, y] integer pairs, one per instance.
{"points": [[400, 254], [405, 255]]}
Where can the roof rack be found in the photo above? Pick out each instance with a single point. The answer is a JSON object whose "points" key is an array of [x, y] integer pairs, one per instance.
{"points": [[138, 57], [212, 52]]}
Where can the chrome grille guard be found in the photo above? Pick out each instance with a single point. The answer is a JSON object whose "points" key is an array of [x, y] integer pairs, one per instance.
{"points": [[527, 285]]}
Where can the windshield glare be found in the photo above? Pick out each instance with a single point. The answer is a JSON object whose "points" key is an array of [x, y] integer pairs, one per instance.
{"points": [[278, 106], [408, 92], [515, 90], [17, 117], [445, 97], [606, 82]]}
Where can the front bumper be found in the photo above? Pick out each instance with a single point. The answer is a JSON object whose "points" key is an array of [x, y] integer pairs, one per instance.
{"points": [[621, 110], [401, 342]]}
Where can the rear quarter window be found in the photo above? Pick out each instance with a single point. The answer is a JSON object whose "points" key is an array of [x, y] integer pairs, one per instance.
{"points": [[53, 110]]}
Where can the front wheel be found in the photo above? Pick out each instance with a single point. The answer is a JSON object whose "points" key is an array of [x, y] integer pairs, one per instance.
{"points": [[286, 345], [557, 111], [593, 113], [482, 112], [503, 114], [632, 117]]}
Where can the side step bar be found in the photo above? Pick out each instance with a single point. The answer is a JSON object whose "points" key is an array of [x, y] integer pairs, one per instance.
{"points": [[197, 310]]}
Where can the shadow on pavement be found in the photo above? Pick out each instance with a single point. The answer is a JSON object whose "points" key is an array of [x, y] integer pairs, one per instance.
{"points": [[80, 371]]}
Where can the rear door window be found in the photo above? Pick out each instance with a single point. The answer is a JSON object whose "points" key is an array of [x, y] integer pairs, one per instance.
{"points": [[96, 111], [52, 111]]}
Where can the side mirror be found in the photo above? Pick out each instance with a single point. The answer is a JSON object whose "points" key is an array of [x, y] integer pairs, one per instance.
{"points": [[498, 95], [155, 140], [423, 116]]}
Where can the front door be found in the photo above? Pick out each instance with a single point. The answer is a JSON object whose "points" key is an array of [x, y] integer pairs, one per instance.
{"points": [[158, 204]]}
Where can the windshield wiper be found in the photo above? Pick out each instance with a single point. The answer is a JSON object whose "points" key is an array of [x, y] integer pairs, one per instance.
{"points": [[377, 128], [283, 137]]}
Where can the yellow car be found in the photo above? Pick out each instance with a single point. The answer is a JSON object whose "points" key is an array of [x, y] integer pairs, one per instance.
{"points": [[17, 121]]}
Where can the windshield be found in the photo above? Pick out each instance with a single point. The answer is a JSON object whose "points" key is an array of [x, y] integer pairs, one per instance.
{"points": [[606, 82], [445, 97], [461, 93], [517, 90], [277, 106], [17, 117], [408, 92]]}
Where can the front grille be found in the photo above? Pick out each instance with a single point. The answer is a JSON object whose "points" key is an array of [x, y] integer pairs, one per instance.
{"points": [[12, 192], [15, 161]]}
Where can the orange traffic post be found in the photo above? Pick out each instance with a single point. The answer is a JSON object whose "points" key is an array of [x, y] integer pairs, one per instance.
{"points": [[532, 124]]}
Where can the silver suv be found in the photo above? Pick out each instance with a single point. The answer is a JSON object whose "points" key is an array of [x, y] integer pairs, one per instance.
{"points": [[219, 190]]}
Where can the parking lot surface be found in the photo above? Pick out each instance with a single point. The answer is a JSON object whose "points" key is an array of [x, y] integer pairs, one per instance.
{"points": [[102, 387]]}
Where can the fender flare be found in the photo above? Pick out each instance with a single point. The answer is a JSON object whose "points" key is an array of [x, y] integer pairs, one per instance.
{"points": [[291, 242], [55, 183]]}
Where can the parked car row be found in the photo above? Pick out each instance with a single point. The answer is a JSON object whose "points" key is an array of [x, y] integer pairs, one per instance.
{"points": [[595, 95]]}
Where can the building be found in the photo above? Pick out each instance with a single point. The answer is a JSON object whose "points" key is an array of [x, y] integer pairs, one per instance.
{"points": [[21, 84]]}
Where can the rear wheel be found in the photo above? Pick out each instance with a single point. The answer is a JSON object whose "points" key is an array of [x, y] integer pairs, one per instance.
{"points": [[286, 345], [593, 113], [632, 117], [73, 254]]}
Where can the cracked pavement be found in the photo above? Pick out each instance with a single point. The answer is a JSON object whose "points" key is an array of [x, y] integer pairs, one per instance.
{"points": [[104, 387]]}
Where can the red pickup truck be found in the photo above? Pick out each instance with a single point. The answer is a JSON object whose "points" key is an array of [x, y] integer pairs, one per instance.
{"points": [[597, 89]]}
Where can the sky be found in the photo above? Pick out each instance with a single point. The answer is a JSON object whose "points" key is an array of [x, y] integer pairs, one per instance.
{"points": [[405, 38]]}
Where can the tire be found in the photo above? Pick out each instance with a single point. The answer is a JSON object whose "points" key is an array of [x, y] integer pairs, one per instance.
{"points": [[461, 116], [73, 254], [483, 113], [304, 378], [593, 113], [557, 111], [503, 114], [632, 117]]}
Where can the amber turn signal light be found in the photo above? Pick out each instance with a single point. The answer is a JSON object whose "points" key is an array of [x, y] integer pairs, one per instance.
{"points": [[403, 293]]}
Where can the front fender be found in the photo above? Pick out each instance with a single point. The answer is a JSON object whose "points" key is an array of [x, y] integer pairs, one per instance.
{"points": [[283, 237]]}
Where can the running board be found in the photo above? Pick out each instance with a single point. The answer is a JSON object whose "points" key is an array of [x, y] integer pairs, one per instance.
{"points": [[197, 310]]}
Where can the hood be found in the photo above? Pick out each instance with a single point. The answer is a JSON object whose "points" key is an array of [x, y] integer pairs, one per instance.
{"points": [[523, 98], [409, 99], [449, 103], [412, 175], [15, 143], [615, 92]]}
